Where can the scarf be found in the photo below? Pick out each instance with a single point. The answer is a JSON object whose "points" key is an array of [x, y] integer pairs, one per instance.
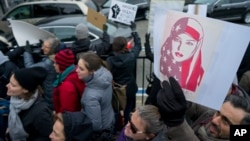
{"points": [[63, 75], [16, 130]]}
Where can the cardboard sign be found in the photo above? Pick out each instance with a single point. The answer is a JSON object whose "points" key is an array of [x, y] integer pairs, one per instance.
{"points": [[96, 18], [122, 12], [197, 52]]}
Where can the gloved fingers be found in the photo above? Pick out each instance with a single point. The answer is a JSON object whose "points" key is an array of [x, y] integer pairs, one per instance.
{"points": [[27, 43], [105, 27], [133, 25], [41, 41], [147, 36], [177, 89], [167, 90]]}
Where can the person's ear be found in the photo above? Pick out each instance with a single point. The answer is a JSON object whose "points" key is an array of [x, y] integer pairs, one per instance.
{"points": [[150, 136]]}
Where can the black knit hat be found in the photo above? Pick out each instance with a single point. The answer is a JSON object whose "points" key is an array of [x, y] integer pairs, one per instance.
{"points": [[30, 78]]}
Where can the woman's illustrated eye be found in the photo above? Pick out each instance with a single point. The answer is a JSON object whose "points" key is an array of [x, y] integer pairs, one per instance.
{"points": [[190, 43]]}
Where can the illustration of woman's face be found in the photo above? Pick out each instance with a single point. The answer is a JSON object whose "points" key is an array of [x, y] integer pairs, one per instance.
{"points": [[183, 47]]}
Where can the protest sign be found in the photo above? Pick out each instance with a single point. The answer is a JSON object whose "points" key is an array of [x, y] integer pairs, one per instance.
{"points": [[197, 52], [24, 31], [122, 12], [96, 18]]}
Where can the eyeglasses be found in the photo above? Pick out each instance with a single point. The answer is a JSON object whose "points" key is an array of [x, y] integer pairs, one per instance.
{"points": [[133, 127]]}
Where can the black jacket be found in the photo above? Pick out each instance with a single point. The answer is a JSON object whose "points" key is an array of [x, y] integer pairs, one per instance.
{"points": [[37, 121], [123, 66]]}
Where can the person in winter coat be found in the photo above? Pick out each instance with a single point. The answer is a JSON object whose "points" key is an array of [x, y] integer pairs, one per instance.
{"points": [[207, 124], [97, 96], [83, 43], [68, 87], [144, 124], [71, 126], [122, 65], [6, 68], [49, 47], [212, 125], [30, 118]]}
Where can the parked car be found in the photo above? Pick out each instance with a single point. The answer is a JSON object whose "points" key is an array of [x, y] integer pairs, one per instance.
{"points": [[142, 10], [32, 12], [63, 27], [228, 10]]}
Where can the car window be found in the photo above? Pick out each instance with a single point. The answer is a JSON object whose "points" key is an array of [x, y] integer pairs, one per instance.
{"points": [[135, 1], [111, 29], [66, 34], [223, 2], [204, 1], [22, 12], [106, 4], [69, 9], [237, 1], [45, 10]]}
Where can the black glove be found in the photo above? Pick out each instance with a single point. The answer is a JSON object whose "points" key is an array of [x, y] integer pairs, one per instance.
{"points": [[172, 103], [40, 42], [148, 51], [27, 48], [133, 26], [105, 28]]}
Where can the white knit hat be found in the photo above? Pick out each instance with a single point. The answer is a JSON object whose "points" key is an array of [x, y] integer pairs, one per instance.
{"points": [[82, 31]]}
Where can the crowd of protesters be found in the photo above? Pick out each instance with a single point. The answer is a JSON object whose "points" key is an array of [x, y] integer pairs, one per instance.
{"points": [[67, 96]]}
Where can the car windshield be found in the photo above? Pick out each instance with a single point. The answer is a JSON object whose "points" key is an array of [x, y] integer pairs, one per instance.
{"points": [[204, 1]]}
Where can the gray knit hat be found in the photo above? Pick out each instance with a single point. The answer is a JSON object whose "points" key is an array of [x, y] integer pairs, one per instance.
{"points": [[82, 31]]}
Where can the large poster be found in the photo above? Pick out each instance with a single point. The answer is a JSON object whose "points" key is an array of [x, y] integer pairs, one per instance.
{"points": [[202, 54]]}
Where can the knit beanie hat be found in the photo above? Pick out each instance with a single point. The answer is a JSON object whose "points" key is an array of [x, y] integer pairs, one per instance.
{"points": [[64, 59], [30, 78], [82, 31]]}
